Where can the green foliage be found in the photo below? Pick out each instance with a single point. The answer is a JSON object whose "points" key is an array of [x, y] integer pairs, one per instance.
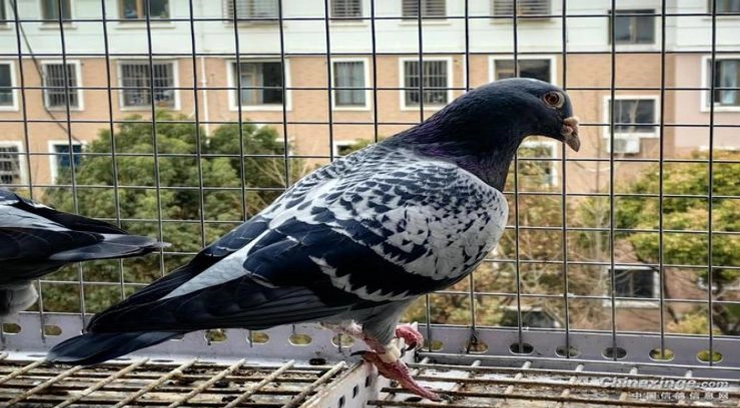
{"points": [[179, 173], [686, 221]]}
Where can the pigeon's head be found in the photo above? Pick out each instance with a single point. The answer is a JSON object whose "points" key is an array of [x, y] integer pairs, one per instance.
{"points": [[482, 129], [519, 107]]}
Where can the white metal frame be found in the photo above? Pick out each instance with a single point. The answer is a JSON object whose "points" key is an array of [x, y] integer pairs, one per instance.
{"points": [[78, 77], [366, 79], [705, 97], [53, 168], [642, 135], [21, 158], [145, 61], [232, 93], [402, 84], [552, 60], [13, 83]]}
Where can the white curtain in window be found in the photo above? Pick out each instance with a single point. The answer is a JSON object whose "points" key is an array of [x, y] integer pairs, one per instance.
{"points": [[729, 79]]}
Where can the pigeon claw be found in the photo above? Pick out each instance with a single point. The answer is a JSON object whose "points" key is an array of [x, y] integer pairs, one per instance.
{"points": [[412, 337], [398, 371]]}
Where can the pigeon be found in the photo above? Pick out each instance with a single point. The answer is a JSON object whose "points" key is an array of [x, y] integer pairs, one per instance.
{"points": [[36, 240], [352, 244]]}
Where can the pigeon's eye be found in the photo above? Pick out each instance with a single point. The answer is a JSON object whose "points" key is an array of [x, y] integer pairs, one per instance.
{"points": [[554, 99]]}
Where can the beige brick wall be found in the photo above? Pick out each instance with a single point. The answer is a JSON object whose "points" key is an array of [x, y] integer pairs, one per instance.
{"points": [[311, 105]]}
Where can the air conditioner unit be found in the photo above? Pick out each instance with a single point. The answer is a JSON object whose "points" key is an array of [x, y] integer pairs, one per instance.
{"points": [[624, 144]]}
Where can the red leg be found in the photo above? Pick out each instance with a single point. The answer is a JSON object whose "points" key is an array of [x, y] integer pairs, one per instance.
{"points": [[410, 335], [399, 371]]}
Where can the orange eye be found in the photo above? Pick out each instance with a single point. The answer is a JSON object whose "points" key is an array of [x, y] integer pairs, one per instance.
{"points": [[554, 99]]}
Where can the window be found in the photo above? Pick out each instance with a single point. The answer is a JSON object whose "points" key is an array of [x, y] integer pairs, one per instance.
{"points": [[60, 160], [7, 95], [346, 9], [725, 6], [3, 13], [633, 116], [429, 8], [436, 80], [528, 68], [136, 79], [261, 82], [249, 9], [138, 10], [10, 164], [51, 9], [635, 283], [55, 94], [726, 75], [542, 171], [524, 7], [349, 84], [632, 28]]}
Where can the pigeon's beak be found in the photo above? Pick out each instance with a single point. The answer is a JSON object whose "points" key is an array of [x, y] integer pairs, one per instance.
{"points": [[570, 133]]}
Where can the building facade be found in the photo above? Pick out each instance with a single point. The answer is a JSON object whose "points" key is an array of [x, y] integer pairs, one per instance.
{"points": [[340, 76]]}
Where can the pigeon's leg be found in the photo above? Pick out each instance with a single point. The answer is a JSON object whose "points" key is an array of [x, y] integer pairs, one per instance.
{"points": [[378, 332], [412, 337], [388, 361]]}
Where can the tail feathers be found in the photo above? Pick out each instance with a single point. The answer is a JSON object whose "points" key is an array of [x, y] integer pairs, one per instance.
{"points": [[94, 348], [17, 298], [113, 246]]}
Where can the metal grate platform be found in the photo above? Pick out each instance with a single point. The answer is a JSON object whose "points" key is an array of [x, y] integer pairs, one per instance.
{"points": [[193, 383]]}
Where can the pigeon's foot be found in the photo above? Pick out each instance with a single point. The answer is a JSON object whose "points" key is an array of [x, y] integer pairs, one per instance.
{"points": [[410, 336], [393, 368]]}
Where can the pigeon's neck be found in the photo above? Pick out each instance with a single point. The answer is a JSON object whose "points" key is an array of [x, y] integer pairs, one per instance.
{"points": [[490, 163]]}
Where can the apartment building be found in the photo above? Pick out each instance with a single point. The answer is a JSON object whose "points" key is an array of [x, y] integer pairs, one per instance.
{"points": [[373, 68]]}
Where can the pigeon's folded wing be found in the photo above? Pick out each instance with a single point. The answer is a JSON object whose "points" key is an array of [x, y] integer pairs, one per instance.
{"points": [[351, 243]]}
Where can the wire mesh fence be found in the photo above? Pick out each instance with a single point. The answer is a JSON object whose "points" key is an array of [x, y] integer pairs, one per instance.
{"points": [[180, 119]]}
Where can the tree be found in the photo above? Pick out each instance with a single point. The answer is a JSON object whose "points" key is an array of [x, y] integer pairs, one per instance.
{"points": [[180, 173], [686, 222]]}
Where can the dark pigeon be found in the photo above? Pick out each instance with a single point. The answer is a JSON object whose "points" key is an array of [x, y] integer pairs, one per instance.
{"points": [[36, 240], [354, 243]]}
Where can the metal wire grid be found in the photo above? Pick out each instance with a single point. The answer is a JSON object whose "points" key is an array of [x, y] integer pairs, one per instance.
{"points": [[147, 382], [567, 333]]}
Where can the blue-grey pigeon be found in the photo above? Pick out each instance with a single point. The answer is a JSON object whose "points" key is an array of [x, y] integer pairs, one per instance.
{"points": [[352, 244], [36, 240]]}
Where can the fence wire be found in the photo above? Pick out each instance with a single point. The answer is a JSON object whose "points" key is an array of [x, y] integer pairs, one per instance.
{"points": [[633, 235]]}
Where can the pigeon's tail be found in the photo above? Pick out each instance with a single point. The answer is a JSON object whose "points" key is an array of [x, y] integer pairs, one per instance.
{"points": [[112, 246], [16, 298], [93, 348]]}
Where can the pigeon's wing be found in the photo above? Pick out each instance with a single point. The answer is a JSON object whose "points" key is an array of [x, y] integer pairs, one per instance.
{"points": [[349, 244]]}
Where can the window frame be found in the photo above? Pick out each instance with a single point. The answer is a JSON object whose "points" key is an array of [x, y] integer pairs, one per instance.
{"points": [[705, 95], [553, 65], [249, 20], [366, 74], [53, 155], [528, 17], [402, 83], [51, 24], [21, 157], [650, 13], [641, 135], [552, 161], [338, 144], [722, 13], [347, 20], [78, 77], [5, 21], [231, 72], [410, 19], [175, 83], [634, 302], [13, 83], [123, 20]]}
